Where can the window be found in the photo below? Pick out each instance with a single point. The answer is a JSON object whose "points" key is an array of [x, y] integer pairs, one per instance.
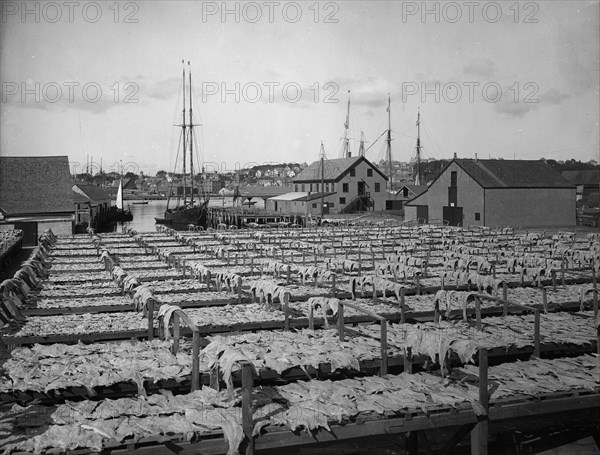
{"points": [[330, 204], [377, 187], [352, 172], [303, 187], [296, 188], [344, 187], [477, 216], [314, 206], [369, 172], [317, 187], [310, 188], [453, 178], [342, 200]]}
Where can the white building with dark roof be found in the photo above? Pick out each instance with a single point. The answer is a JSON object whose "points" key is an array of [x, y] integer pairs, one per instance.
{"points": [[352, 184]]}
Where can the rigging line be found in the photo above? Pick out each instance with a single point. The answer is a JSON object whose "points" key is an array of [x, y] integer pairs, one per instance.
{"points": [[374, 142], [81, 135], [405, 135], [175, 118], [175, 167], [431, 139]]}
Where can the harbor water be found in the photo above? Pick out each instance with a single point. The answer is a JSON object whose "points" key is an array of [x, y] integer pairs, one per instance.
{"points": [[144, 214]]}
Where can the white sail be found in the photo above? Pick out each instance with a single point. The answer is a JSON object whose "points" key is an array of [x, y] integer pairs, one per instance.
{"points": [[120, 196]]}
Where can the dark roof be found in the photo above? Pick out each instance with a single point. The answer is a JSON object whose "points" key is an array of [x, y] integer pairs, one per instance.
{"points": [[94, 192], [512, 173], [79, 199], [130, 184], [583, 177], [414, 189], [264, 191], [333, 169], [35, 185], [313, 196]]}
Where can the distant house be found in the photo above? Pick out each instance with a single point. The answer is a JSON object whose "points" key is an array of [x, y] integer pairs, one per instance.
{"points": [[404, 194], [130, 184], [587, 181], [36, 194], [91, 204], [496, 193], [351, 183]]}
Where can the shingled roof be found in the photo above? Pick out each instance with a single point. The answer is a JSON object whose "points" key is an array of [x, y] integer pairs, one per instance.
{"points": [[333, 169], [35, 185], [92, 192], [583, 177], [513, 173]]}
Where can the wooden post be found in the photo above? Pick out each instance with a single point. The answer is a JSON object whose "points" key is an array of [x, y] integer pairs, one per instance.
{"points": [[247, 387], [311, 318], [562, 273], [436, 312], [545, 299], [478, 312], [505, 291], [150, 310], [553, 273], [536, 334], [341, 322], [176, 323], [402, 307], [595, 284], [286, 312], [333, 279], [494, 270], [384, 358], [408, 359], [479, 434], [195, 360], [289, 274]]}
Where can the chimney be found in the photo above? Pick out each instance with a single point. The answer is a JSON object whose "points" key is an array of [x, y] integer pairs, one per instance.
{"points": [[455, 155], [476, 157]]}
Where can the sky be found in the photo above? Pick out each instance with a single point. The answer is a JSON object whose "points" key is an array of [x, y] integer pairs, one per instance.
{"points": [[101, 80]]}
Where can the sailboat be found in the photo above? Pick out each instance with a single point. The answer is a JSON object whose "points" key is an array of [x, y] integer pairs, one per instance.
{"points": [[187, 212], [121, 214]]}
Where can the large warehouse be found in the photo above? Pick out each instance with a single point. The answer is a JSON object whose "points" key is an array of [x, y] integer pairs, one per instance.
{"points": [[496, 193]]}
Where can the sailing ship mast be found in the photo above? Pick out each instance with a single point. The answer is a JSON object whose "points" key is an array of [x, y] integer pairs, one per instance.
{"points": [[184, 129], [322, 179], [346, 146], [389, 142], [191, 138], [418, 158], [361, 148]]}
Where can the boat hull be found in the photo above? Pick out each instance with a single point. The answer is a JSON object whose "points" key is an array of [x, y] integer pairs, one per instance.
{"points": [[184, 217]]}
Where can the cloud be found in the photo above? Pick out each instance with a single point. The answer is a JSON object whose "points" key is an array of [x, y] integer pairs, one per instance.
{"points": [[527, 100], [482, 67]]}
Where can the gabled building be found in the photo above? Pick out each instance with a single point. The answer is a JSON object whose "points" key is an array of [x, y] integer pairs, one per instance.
{"points": [[36, 194], [351, 183], [496, 193], [404, 194], [92, 204]]}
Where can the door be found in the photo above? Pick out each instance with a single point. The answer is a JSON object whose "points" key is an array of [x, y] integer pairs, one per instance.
{"points": [[423, 213], [453, 215], [361, 188]]}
